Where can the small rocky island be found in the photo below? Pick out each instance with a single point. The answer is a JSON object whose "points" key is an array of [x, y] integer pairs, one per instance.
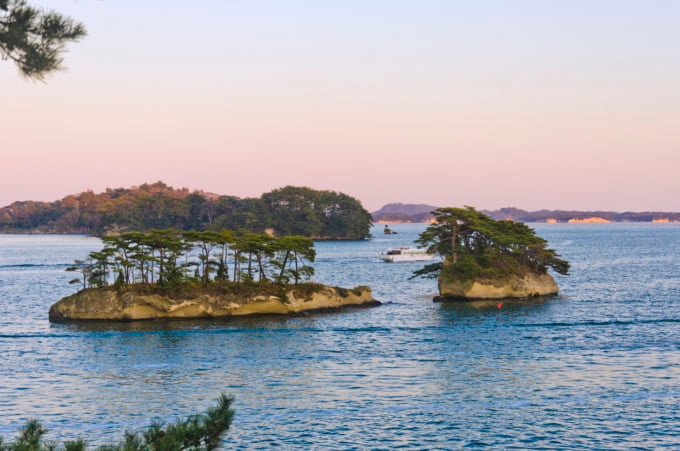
{"points": [[170, 274], [133, 305], [483, 258]]}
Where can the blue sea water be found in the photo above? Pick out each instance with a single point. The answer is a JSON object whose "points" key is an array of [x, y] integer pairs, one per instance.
{"points": [[596, 367]]}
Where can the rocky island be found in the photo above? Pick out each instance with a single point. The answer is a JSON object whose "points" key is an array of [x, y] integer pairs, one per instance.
{"points": [[483, 258], [509, 286], [164, 274], [131, 305]]}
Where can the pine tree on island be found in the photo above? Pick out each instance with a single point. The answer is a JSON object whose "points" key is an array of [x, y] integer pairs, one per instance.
{"points": [[483, 258]]}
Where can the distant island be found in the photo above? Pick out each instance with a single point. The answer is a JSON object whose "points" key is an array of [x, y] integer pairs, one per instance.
{"points": [[291, 210], [321, 215], [484, 258], [414, 213], [398, 212]]}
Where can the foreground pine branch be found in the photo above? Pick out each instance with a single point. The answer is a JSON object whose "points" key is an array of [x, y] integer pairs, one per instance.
{"points": [[197, 432]]}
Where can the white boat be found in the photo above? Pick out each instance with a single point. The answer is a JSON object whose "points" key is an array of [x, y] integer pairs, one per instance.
{"points": [[406, 254]]}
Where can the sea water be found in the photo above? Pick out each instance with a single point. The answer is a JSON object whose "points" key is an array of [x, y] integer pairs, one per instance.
{"points": [[597, 366]]}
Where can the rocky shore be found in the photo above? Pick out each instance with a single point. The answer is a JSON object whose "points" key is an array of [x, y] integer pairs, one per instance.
{"points": [[527, 285], [116, 305]]}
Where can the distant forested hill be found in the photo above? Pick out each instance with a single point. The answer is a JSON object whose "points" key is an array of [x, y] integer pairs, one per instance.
{"points": [[397, 212], [286, 211], [517, 214]]}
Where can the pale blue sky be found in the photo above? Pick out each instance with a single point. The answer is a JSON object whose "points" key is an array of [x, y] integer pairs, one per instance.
{"points": [[533, 104]]}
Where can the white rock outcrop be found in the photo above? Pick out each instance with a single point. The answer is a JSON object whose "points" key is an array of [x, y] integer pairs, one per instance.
{"points": [[529, 285], [114, 305]]}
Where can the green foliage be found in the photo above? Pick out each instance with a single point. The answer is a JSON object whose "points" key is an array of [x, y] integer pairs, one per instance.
{"points": [[316, 214], [255, 248], [473, 244], [33, 39], [429, 271], [286, 211], [197, 432], [169, 259], [291, 253], [85, 269], [30, 437], [75, 445], [467, 268]]}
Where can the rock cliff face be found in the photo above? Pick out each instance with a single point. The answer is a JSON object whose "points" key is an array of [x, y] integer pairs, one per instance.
{"points": [[109, 304], [528, 285]]}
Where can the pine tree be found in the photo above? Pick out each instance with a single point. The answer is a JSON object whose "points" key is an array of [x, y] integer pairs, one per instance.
{"points": [[473, 244], [202, 432], [33, 39]]}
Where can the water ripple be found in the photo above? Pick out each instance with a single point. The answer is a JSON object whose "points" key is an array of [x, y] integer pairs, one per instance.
{"points": [[593, 368]]}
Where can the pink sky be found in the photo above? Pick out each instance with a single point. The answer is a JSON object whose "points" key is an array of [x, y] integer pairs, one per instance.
{"points": [[532, 106]]}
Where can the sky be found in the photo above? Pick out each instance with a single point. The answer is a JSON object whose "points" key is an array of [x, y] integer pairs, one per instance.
{"points": [[527, 104]]}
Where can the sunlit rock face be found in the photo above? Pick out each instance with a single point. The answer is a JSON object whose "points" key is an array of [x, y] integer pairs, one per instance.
{"points": [[109, 304], [528, 285]]}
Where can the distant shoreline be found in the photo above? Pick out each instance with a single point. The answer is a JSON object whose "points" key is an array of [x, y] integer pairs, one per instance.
{"points": [[376, 223], [571, 221], [422, 213]]}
